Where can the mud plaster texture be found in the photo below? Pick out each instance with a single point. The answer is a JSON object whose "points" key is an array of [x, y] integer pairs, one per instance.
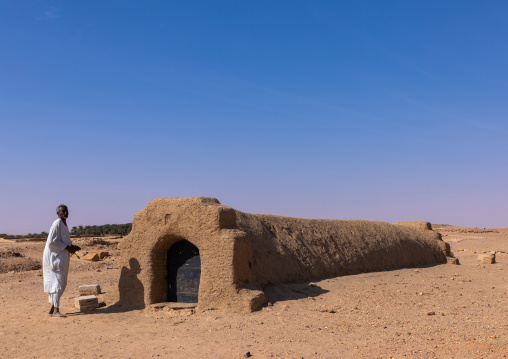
{"points": [[241, 253]]}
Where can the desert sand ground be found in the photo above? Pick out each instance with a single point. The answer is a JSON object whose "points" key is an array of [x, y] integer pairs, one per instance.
{"points": [[439, 311]]}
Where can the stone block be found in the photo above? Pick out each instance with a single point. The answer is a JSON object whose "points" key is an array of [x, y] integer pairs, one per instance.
{"points": [[103, 255], [94, 257], [86, 302], [89, 289], [487, 258], [452, 260]]}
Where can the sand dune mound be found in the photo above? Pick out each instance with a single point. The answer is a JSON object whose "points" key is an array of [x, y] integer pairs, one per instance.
{"points": [[15, 261]]}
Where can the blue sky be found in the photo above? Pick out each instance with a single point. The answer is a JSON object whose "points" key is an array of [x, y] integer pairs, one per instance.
{"points": [[374, 110]]}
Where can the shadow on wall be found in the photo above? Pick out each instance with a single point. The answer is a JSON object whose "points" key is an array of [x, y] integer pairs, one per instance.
{"points": [[129, 284]]}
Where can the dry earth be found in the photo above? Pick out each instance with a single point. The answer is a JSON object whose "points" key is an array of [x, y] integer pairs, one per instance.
{"points": [[372, 315]]}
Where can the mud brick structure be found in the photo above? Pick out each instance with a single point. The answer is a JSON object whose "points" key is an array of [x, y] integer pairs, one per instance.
{"points": [[231, 256]]}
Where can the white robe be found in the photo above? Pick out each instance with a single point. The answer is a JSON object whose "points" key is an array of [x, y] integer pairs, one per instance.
{"points": [[56, 259]]}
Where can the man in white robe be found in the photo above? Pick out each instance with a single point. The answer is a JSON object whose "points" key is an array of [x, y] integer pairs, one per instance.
{"points": [[56, 259]]}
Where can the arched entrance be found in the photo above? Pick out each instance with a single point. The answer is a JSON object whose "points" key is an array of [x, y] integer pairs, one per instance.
{"points": [[184, 272]]}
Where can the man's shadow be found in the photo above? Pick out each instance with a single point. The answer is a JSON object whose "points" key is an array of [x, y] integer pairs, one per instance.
{"points": [[131, 292]]}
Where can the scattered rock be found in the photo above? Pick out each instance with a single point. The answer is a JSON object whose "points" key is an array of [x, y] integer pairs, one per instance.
{"points": [[247, 355], [94, 257], [431, 313], [451, 260], [6, 253], [487, 258], [103, 255]]}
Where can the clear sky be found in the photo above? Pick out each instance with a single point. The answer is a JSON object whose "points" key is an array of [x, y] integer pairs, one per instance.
{"points": [[378, 110]]}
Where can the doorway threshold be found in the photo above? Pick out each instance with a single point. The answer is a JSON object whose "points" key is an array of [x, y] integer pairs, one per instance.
{"points": [[173, 305]]}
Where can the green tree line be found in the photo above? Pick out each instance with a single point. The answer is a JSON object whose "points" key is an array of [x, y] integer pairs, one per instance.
{"points": [[29, 235], [115, 229]]}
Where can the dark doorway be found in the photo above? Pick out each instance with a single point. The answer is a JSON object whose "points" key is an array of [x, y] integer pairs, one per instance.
{"points": [[184, 271]]}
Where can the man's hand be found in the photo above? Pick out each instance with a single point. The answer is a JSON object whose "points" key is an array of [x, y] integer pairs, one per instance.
{"points": [[73, 249]]}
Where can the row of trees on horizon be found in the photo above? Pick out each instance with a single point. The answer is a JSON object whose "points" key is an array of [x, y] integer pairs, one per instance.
{"points": [[29, 235], [115, 229], [96, 230]]}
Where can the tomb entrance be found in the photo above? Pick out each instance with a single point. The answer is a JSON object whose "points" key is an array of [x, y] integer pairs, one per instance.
{"points": [[184, 272]]}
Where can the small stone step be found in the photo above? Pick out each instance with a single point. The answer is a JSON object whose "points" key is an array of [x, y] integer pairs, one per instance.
{"points": [[89, 289], [85, 302], [173, 305]]}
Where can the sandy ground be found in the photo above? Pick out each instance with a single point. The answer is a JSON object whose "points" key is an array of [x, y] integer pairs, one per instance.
{"points": [[371, 315]]}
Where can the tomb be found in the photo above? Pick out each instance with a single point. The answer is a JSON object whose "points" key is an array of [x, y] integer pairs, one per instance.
{"points": [[197, 251]]}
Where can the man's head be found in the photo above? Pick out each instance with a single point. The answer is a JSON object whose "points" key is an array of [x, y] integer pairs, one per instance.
{"points": [[62, 211]]}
